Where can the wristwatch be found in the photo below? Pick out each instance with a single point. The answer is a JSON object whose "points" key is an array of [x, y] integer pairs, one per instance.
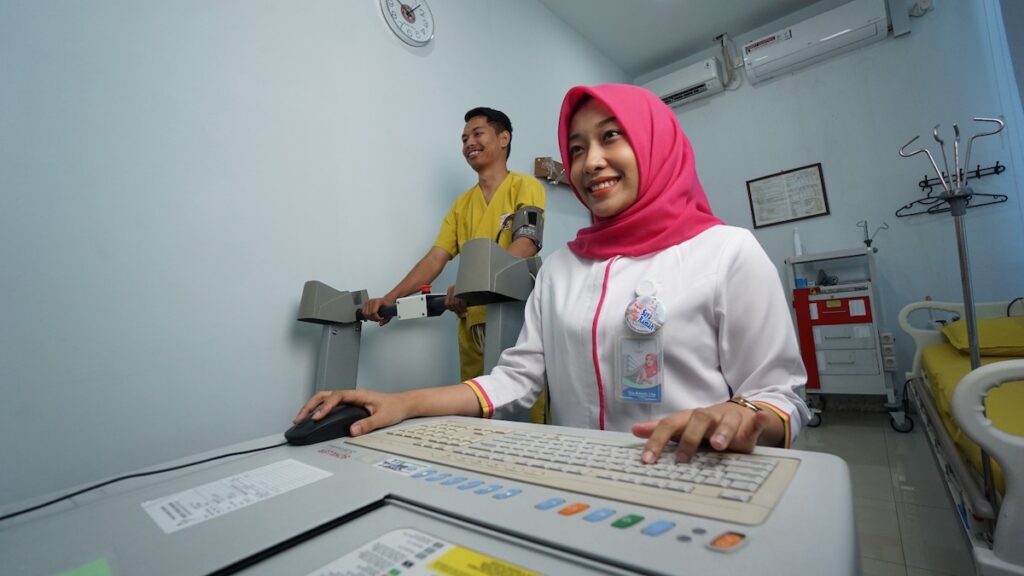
{"points": [[745, 403]]}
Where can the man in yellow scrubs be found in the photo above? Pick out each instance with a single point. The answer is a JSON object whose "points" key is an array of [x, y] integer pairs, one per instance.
{"points": [[487, 210]]}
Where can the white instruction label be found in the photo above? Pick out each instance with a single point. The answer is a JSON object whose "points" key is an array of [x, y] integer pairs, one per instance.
{"points": [[412, 553], [857, 308], [190, 507]]}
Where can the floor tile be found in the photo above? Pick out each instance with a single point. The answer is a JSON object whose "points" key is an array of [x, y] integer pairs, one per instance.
{"points": [[872, 482], [912, 571], [933, 539], [915, 475], [872, 567], [878, 530], [853, 443], [876, 421]]}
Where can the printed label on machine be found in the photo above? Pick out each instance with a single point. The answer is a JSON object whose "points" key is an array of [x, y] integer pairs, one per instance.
{"points": [[401, 466], [190, 507], [413, 553]]}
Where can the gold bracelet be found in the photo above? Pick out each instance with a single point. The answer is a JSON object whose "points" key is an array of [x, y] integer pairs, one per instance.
{"points": [[745, 403]]}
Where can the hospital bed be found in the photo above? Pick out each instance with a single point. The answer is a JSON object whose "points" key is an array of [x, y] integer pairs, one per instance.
{"points": [[963, 409]]}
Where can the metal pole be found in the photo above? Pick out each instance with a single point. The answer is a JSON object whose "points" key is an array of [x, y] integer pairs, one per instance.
{"points": [[958, 207]]}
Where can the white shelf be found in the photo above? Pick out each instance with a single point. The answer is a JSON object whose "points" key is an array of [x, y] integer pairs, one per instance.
{"points": [[834, 255]]}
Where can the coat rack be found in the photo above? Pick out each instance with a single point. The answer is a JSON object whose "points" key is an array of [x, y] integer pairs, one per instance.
{"points": [[934, 201], [955, 198], [954, 189], [928, 183]]}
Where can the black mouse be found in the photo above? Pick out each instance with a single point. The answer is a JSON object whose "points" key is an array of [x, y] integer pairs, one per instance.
{"points": [[334, 425]]}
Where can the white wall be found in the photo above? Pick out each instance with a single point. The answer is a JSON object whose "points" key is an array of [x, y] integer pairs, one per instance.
{"points": [[172, 173], [852, 113]]}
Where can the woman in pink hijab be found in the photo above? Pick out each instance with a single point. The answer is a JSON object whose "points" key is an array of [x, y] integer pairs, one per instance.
{"points": [[656, 276]]}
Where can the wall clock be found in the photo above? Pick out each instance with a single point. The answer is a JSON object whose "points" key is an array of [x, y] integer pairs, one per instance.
{"points": [[410, 20]]}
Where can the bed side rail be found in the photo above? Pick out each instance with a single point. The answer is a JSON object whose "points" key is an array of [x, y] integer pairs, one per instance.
{"points": [[973, 494], [1006, 448]]}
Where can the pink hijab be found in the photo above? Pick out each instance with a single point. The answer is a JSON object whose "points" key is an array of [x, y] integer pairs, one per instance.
{"points": [[650, 370], [671, 206]]}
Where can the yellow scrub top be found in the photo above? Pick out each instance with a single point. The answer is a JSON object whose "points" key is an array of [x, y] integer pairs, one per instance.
{"points": [[470, 218]]}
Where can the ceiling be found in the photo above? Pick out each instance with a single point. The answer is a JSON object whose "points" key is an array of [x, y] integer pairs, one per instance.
{"points": [[643, 35]]}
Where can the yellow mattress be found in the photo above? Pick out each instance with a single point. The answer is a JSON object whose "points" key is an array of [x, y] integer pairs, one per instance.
{"points": [[945, 366]]}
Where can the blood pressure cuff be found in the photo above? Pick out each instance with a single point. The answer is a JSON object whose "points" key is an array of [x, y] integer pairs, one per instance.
{"points": [[528, 222]]}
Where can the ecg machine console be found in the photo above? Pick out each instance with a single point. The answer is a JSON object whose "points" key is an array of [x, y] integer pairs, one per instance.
{"points": [[461, 496]]}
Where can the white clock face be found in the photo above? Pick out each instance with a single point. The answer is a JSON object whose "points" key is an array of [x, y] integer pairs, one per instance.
{"points": [[410, 20]]}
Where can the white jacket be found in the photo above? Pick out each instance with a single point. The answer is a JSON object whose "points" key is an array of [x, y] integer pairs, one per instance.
{"points": [[727, 331]]}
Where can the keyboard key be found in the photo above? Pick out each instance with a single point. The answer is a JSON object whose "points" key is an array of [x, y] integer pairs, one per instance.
{"points": [[628, 520], [599, 514], [734, 495], [488, 489], [658, 528], [574, 508], [470, 485], [550, 503], [507, 494]]}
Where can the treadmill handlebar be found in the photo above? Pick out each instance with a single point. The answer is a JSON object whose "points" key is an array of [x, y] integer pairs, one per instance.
{"points": [[435, 307], [386, 311]]}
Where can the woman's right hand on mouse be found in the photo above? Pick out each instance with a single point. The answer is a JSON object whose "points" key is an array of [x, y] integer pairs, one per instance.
{"points": [[385, 409]]}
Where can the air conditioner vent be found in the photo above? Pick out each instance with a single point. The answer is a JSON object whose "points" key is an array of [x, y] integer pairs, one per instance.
{"points": [[684, 94], [688, 84]]}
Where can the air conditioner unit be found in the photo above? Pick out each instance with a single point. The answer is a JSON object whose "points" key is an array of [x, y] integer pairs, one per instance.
{"points": [[844, 28], [688, 84]]}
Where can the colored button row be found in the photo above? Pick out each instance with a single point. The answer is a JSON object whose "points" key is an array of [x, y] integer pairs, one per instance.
{"points": [[653, 529], [464, 483]]}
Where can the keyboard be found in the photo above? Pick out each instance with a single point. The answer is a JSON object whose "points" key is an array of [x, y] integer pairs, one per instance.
{"points": [[740, 488]]}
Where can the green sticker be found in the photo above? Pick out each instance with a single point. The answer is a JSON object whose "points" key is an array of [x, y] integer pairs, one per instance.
{"points": [[94, 568]]}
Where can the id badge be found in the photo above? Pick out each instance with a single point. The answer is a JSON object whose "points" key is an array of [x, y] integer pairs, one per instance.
{"points": [[639, 375]]}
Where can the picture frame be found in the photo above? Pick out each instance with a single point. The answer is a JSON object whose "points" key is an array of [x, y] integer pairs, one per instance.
{"points": [[786, 196]]}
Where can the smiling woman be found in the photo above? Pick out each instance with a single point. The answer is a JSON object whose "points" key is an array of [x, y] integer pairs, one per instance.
{"points": [[603, 165]]}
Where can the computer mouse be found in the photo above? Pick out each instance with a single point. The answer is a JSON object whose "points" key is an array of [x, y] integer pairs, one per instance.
{"points": [[334, 425]]}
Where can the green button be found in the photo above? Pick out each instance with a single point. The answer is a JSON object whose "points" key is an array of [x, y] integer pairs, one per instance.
{"points": [[627, 521]]}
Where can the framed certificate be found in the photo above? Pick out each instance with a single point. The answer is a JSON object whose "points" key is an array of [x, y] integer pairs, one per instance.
{"points": [[790, 195]]}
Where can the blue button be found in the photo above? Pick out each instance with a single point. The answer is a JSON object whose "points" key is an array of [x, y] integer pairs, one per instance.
{"points": [[488, 489], [437, 477], [454, 480], [470, 485], [550, 503], [658, 528], [423, 473], [599, 514], [508, 493]]}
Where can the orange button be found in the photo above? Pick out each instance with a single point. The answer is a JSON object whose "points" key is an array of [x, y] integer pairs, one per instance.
{"points": [[727, 540], [575, 508], [425, 289]]}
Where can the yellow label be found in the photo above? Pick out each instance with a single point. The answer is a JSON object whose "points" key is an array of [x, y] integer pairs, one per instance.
{"points": [[833, 303], [462, 562]]}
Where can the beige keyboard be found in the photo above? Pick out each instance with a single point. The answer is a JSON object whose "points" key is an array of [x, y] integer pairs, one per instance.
{"points": [[740, 488]]}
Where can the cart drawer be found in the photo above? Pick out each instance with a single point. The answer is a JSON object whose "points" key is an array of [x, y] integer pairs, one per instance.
{"points": [[844, 337], [847, 362]]}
